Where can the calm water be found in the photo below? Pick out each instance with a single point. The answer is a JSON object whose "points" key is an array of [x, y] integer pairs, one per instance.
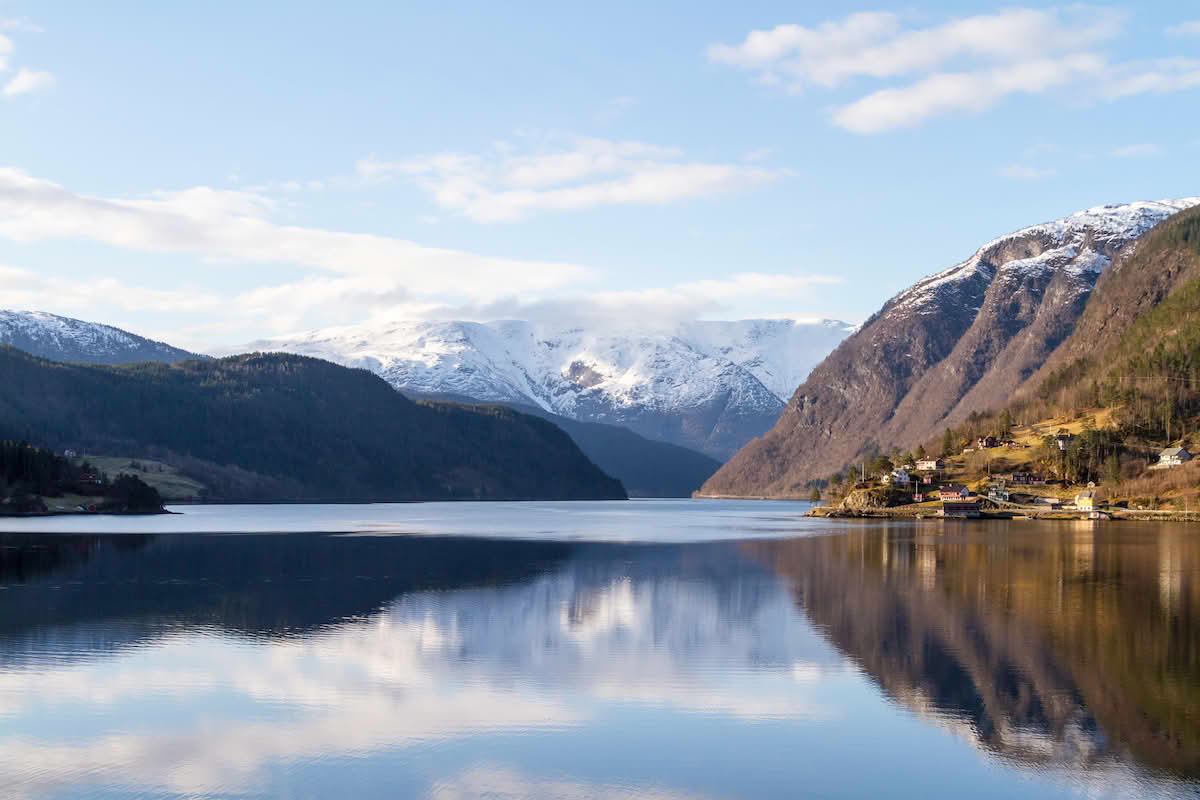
{"points": [[650, 650]]}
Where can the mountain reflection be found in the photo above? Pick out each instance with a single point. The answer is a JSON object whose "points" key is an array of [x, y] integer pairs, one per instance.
{"points": [[1075, 650], [1069, 647]]}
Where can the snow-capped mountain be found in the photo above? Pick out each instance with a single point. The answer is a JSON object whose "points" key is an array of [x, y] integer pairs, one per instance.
{"points": [[1082, 244], [65, 339], [961, 340], [711, 386]]}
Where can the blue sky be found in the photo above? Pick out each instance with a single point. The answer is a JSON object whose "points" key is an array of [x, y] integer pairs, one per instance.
{"points": [[212, 173]]}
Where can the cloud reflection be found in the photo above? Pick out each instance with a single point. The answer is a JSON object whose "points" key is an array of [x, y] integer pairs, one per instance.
{"points": [[435, 666]]}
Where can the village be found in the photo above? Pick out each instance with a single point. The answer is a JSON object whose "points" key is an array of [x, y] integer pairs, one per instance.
{"points": [[999, 477]]}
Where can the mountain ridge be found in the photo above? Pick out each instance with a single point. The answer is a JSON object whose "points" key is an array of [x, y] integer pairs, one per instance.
{"points": [[962, 339], [707, 386], [294, 428], [67, 339]]}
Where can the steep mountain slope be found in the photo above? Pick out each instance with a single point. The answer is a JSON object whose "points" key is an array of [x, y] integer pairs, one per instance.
{"points": [[75, 341], [958, 341], [317, 430], [1167, 260], [709, 386]]}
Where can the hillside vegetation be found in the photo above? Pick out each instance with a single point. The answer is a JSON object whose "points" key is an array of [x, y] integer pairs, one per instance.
{"points": [[30, 475], [281, 426], [967, 339], [1132, 390]]}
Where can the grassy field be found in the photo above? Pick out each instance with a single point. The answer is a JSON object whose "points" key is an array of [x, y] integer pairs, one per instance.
{"points": [[169, 482]]}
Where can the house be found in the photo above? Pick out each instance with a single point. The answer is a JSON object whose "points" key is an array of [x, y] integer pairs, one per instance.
{"points": [[931, 464], [960, 510], [998, 492], [70, 454], [900, 477], [1086, 500], [1173, 457], [1027, 479], [918, 497], [953, 492], [986, 442], [1064, 440]]}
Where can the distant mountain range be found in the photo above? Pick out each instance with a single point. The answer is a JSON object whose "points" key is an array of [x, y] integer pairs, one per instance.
{"points": [[708, 386], [73, 340], [282, 426], [966, 339], [647, 468]]}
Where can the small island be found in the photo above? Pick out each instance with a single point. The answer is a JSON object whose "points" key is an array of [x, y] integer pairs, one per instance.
{"points": [[39, 482]]}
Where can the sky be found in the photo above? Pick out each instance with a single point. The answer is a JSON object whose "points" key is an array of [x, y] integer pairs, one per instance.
{"points": [[213, 173]]}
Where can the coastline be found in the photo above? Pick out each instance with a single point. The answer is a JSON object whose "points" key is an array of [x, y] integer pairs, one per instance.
{"points": [[902, 512]]}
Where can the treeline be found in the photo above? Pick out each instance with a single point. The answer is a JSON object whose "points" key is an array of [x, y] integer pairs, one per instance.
{"points": [[29, 470], [28, 474], [295, 425]]}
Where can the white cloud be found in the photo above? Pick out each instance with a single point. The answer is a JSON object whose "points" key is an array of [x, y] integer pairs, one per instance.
{"points": [[22, 25], [664, 306], [505, 186], [27, 81], [943, 93], [967, 64], [503, 783], [1189, 28], [876, 45], [1136, 151], [6, 48], [27, 289], [1162, 76], [341, 277], [235, 226], [1021, 172]]}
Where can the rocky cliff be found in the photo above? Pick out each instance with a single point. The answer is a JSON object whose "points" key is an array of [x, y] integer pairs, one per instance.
{"points": [[961, 340]]}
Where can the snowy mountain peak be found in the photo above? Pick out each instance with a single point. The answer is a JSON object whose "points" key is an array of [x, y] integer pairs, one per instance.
{"points": [[65, 339], [1085, 241], [727, 377]]}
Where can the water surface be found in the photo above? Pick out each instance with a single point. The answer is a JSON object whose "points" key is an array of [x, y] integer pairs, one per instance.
{"points": [[649, 650]]}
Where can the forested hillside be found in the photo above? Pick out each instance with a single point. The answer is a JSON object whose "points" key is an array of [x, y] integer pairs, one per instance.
{"points": [[645, 467], [290, 427], [30, 474]]}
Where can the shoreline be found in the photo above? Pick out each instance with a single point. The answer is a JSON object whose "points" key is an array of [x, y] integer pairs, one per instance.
{"points": [[1116, 515]]}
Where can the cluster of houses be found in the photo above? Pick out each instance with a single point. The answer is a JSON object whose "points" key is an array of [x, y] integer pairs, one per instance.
{"points": [[989, 442]]}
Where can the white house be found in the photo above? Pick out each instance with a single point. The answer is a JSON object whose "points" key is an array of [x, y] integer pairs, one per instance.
{"points": [[901, 477], [931, 464], [1173, 457]]}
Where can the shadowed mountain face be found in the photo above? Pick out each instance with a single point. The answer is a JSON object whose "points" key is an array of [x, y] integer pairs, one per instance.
{"points": [[1070, 649], [960, 341], [310, 429]]}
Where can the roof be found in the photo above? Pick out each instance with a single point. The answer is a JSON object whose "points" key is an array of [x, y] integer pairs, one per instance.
{"points": [[1086, 493], [1171, 452], [954, 487]]}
